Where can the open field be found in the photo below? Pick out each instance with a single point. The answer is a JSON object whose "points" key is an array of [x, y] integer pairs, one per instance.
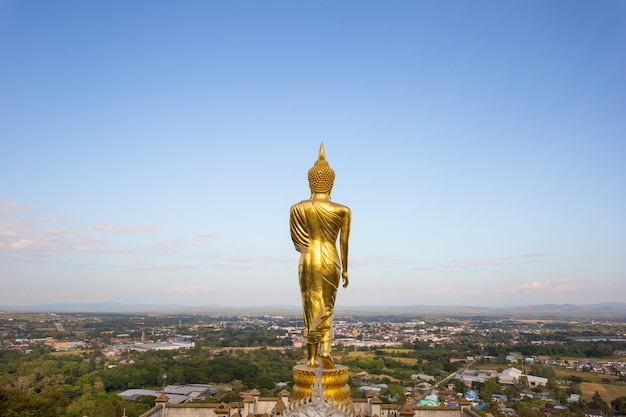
{"points": [[495, 366], [360, 354], [408, 361], [243, 349], [586, 376], [356, 354], [593, 381], [395, 350], [607, 392], [76, 352]]}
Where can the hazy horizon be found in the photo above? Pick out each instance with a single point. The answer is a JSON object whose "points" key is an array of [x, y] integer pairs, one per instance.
{"points": [[150, 154], [297, 307]]}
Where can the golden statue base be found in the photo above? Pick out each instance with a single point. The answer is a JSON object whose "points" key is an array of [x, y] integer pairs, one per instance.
{"points": [[334, 379]]}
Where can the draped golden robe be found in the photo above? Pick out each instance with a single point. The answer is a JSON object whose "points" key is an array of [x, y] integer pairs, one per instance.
{"points": [[314, 229]]}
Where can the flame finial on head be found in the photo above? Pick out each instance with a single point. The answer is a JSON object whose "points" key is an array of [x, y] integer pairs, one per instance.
{"points": [[321, 175], [321, 154]]}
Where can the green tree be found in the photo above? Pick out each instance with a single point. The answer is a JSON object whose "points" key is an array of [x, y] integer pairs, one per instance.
{"points": [[264, 382], [560, 395], [619, 405], [598, 403], [575, 378], [55, 401], [529, 412], [95, 406], [14, 402], [574, 388], [488, 388], [396, 391], [513, 391], [543, 371], [523, 382]]}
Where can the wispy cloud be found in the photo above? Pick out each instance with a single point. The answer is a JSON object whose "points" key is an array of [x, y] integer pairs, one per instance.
{"points": [[190, 289], [43, 235], [460, 265], [204, 236], [426, 294], [374, 260], [233, 266], [423, 291], [8, 207], [156, 267], [168, 246], [241, 263], [28, 235], [105, 228], [53, 220], [561, 285], [274, 260], [536, 255], [479, 263], [536, 285], [251, 262], [567, 284]]}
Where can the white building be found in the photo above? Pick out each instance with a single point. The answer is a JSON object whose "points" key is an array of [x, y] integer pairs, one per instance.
{"points": [[511, 376]]}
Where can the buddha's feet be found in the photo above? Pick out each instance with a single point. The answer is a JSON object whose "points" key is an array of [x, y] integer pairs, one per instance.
{"points": [[327, 361], [312, 364]]}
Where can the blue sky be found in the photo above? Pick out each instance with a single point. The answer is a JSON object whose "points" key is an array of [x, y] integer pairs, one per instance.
{"points": [[150, 151]]}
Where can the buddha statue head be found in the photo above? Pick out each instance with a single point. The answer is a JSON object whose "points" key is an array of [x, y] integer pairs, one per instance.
{"points": [[321, 175]]}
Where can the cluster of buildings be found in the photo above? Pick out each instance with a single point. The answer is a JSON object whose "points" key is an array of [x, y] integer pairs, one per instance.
{"points": [[394, 333], [512, 376], [253, 405], [609, 367], [366, 334], [65, 345], [178, 400], [58, 345], [176, 394]]}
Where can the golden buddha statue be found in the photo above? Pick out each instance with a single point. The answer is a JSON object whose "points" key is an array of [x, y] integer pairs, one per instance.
{"points": [[315, 225]]}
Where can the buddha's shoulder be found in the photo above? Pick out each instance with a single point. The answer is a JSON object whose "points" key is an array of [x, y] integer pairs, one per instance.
{"points": [[339, 206], [303, 203], [308, 204]]}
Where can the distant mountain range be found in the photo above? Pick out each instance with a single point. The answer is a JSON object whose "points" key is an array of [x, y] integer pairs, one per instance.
{"points": [[613, 310]]}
